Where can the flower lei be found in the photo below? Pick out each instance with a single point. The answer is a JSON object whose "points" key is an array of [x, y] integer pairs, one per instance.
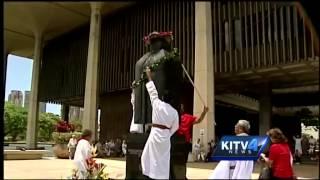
{"points": [[165, 35], [171, 55]]}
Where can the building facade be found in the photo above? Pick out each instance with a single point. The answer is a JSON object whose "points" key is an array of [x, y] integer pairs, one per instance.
{"points": [[254, 44], [16, 97], [42, 105], [238, 54]]}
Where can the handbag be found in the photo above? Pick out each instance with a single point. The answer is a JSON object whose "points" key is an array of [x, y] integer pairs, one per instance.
{"points": [[266, 173]]}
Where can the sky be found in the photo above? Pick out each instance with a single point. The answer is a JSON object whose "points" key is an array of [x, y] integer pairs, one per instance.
{"points": [[19, 75]]}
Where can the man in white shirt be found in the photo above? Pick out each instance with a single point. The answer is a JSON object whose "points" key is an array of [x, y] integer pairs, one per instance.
{"points": [[83, 152], [155, 159], [235, 169]]}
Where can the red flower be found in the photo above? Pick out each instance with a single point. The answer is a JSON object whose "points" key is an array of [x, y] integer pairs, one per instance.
{"points": [[63, 126], [153, 35]]}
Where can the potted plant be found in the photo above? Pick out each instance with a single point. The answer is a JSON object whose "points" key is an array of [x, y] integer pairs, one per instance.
{"points": [[61, 137]]}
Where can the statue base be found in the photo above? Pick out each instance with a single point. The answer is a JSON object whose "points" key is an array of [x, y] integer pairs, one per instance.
{"points": [[135, 145]]}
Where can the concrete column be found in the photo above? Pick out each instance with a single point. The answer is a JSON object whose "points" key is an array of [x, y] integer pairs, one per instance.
{"points": [[91, 91], [65, 112], [33, 112], [4, 71], [3, 81], [265, 111], [204, 75], [4, 75]]}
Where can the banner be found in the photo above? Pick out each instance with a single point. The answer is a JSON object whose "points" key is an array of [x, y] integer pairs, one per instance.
{"points": [[240, 147]]}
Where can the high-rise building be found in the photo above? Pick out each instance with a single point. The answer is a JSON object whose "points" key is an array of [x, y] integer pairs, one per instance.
{"points": [[16, 97], [42, 105], [26, 99]]}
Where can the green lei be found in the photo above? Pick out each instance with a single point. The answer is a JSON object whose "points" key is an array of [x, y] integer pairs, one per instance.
{"points": [[171, 55]]}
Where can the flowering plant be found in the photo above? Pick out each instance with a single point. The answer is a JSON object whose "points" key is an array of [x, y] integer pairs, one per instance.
{"points": [[94, 171], [63, 126]]}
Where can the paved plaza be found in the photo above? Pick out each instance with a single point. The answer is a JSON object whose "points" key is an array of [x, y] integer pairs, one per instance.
{"points": [[51, 168]]}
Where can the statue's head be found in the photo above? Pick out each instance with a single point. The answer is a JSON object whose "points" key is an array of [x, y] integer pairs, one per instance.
{"points": [[159, 40]]}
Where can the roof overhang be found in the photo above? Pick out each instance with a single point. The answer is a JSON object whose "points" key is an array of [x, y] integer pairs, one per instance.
{"points": [[22, 20], [300, 74]]}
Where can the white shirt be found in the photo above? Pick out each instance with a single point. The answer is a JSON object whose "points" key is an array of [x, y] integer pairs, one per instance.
{"points": [[83, 152], [162, 112], [155, 159], [298, 146], [242, 169], [197, 147], [72, 142]]}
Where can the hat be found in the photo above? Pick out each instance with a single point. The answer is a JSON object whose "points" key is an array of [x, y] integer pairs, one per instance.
{"points": [[165, 35]]}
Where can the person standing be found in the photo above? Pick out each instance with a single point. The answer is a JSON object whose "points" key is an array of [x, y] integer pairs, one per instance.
{"points": [[235, 169], [317, 150], [72, 146], [312, 145], [107, 148], [98, 147], [305, 144], [197, 150], [83, 152], [297, 148], [155, 159], [210, 151], [280, 159], [124, 147], [185, 127], [112, 146]]}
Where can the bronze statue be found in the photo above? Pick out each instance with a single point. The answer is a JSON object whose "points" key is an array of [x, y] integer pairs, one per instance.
{"points": [[167, 75], [166, 69]]}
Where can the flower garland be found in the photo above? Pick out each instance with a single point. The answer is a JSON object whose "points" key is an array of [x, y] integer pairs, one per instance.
{"points": [[171, 55], [166, 35]]}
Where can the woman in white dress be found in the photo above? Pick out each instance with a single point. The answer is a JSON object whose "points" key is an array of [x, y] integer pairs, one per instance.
{"points": [[297, 148]]}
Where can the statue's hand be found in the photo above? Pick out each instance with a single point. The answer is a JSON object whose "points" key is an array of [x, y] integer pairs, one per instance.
{"points": [[133, 84]]}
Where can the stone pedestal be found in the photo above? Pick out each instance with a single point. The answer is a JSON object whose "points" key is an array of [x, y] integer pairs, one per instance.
{"points": [[135, 145]]}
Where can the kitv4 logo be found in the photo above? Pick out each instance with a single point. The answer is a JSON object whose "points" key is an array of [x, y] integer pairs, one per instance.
{"points": [[240, 147]]}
